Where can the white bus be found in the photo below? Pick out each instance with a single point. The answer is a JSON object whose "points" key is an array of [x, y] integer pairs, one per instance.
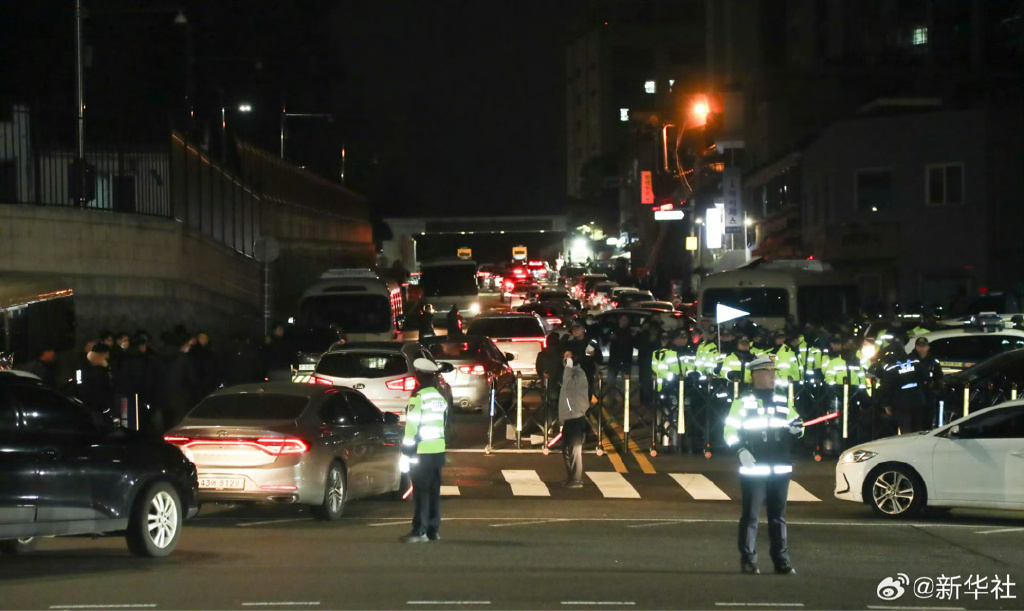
{"points": [[448, 282], [365, 307], [779, 291]]}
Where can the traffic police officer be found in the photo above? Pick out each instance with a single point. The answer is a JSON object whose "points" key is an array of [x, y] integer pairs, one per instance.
{"points": [[762, 425], [423, 451]]}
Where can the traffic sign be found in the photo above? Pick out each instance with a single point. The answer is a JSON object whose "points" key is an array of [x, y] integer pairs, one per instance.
{"points": [[724, 313], [465, 253]]}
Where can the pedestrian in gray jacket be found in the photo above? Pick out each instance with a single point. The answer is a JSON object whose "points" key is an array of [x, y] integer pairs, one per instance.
{"points": [[573, 402]]}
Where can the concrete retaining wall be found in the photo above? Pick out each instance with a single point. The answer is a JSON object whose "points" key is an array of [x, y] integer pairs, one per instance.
{"points": [[134, 272]]}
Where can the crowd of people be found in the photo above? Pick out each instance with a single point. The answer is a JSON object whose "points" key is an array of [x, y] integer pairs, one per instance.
{"points": [[816, 360], [165, 377]]}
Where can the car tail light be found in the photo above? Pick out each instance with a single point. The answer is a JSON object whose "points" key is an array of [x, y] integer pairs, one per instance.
{"points": [[407, 383], [283, 445], [554, 321], [275, 446], [615, 304], [314, 379], [604, 300], [473, 370]]}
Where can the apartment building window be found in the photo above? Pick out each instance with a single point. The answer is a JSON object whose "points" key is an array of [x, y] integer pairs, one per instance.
{"points": [[874, 190], [623, 114], [944, 184], [919, 36], [650, 87]]}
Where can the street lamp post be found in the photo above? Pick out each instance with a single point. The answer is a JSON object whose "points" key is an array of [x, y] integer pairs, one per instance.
{"points": [[298, 115]]}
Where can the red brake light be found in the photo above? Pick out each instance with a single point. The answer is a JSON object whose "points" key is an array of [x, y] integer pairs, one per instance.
{"points": [[554, 321], [283, 445], [175, 440], [473, 370], [318, 380], [407, 383]]}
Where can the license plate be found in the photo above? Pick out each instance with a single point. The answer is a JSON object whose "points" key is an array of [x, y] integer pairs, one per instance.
{"points": [[221, 483]]}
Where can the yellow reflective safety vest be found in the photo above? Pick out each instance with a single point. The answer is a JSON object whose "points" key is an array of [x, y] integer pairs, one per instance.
{"points": [[734, 364], [707, 358], [837, 371], [424, 421], [667, 364], [762, 427]]}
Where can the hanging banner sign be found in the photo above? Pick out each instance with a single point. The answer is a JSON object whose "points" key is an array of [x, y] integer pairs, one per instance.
{"points": [[731, 189], [646, 188]]}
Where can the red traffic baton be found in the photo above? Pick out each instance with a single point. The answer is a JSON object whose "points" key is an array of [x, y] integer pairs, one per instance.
{"points": [[555, 440], [821, 419]]}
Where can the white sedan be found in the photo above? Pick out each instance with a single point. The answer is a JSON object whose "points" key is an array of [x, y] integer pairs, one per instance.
{"points": [[976, 461]]}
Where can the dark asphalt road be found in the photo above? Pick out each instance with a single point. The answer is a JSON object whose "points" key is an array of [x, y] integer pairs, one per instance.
{"points": [[576, 549]]}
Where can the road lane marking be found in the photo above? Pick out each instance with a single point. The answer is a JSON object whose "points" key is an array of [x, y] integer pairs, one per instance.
{"points": [[699, 487], [282, 604], [800, 494], [448, 602], [396, 522], [450, 491], [892, 607], [759, 604], [613, 485], [506, 524], [280, 521], [641, 459], [1001, 530], [662, 523], [525, 482], [126, 606], [598, 603]]}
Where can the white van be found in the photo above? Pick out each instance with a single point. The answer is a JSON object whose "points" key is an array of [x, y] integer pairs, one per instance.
{"points": [[448, 282], [802, 291], [365, 307]]}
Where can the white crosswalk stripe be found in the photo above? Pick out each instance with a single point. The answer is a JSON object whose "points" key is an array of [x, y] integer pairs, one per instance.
{"points": [[798, 493], [699, 487], [613, 485], [525, 482]]}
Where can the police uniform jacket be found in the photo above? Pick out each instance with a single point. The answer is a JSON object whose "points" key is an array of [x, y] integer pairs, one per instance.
{"points": [[759, 421]]}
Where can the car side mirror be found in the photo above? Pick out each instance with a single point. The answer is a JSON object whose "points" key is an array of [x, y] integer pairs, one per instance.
{"points": [[391, 418], [509, 356], [446, 367]]}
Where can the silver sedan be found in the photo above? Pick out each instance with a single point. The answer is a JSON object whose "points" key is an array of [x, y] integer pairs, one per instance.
{"points": [[280, 442]]}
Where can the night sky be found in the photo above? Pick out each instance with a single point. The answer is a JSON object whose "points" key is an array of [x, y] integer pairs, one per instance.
{"points": [[450, 107]]}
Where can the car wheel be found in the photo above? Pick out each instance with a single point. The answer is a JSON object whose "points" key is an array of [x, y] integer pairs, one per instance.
{"points": [[154, 525], [896, 492], [335, 490], [18, 546]]}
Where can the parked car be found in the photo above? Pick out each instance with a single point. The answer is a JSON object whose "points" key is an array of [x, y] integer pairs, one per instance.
{"points": [[521, 336], [977, 461], [477, 366], [658, 306], [989, 382], [382, 371], [66, 470], [963, 347], [554, 313], [280, 442], [629, 299]]}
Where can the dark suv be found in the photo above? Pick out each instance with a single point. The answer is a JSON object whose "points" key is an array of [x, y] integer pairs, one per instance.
{"points": [[65, 470]]}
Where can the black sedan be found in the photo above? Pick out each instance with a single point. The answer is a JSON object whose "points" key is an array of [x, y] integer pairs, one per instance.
{"points": [[64, 470]]}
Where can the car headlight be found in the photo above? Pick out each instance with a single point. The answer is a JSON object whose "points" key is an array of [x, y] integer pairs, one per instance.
{"points": [[868, 350], [858, 456], [474, 308]]}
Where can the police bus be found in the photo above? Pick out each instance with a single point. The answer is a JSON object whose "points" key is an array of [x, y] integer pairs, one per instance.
{"points": [[775, 292]]}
